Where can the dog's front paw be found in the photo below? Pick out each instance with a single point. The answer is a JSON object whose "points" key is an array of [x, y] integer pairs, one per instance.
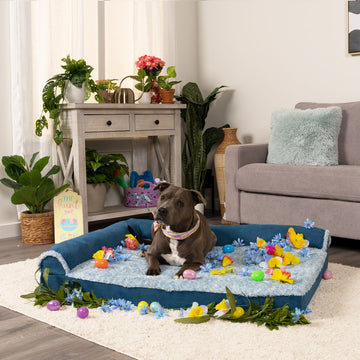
{"points": [[178, 276], [153, 271]]}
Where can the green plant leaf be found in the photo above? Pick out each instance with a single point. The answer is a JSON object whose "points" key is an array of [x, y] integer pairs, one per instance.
{"points": [[41, 163], [30, 178], [11, 184], [193, 320], [25, 195], [231, 299]]}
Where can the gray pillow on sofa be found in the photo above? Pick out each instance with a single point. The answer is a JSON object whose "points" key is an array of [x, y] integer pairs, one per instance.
{"points": [[305, 137]]}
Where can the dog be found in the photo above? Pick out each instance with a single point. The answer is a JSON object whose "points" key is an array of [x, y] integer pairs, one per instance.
{"points": [[181, 235]]}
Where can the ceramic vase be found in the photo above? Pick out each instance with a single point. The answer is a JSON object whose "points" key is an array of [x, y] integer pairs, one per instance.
{"points": [[96, 194], [167, 96], [73, 94], [145, 99], [219, 162]]}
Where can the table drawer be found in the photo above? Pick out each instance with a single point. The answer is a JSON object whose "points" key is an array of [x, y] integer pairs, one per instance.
{"points": [[111, 122], [154, 122]]}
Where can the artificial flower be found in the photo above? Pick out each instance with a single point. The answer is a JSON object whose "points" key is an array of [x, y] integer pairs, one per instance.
{"points": [[222, 308], [290, 259], [221, 272], [304, 252], [144, 309], [279, 251], [105, 307], [297, 313], [274, 262], [98, 255], [227, 260], [196, 310], [270, 249], [296, 239], [160, 313], [260, 242], [121, 304], [206, 268], [308, 224], [244, 272], [280, 276], [238, 243]]}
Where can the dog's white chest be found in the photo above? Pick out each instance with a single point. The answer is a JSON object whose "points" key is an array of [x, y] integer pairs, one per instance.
{"points": [[173, 258]]}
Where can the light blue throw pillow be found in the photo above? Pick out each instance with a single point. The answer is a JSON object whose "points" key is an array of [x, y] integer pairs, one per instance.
{"points": [[305, 137]]}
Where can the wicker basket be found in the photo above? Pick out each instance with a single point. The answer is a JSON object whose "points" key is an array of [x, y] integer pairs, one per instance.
{"points": [[140, 196], [37, 229]]}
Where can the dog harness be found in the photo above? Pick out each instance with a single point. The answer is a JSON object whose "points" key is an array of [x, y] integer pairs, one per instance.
{"points": [[176, 235]]}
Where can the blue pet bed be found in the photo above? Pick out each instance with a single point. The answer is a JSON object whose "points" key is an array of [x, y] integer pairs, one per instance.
{"points": [[72, 260]]}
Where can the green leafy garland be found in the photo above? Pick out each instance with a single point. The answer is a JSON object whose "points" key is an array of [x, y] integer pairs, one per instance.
{"points": [[261, 314]]}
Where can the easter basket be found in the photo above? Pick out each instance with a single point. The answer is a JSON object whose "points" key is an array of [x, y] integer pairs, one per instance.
{"points": [[141, 196]]}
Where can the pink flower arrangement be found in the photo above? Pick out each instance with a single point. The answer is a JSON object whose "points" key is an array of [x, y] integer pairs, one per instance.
{"points": [[148, 62]]}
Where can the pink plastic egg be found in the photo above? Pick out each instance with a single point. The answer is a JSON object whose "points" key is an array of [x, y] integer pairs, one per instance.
{"points": [[327, 275], [53, 305], [83, 312], [189, 274]]}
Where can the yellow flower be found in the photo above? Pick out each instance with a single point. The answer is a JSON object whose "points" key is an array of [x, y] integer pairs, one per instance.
{"points": [[222, 308], [289, 258], [260, 242], [196, 312], [239, 311], [221, 272], [279, 276], [274, 262], [221, 305], [279, 251], [98, 255], [296, 239]]}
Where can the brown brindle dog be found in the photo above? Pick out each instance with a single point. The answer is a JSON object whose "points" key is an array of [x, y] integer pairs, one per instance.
{"points": [[181, 235]]}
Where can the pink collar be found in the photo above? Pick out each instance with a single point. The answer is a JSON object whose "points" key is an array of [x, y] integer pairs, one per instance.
{"points": [[175, 235]]}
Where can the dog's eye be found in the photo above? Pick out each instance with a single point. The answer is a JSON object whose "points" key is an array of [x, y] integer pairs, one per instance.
{"points": [[162, 197], [180, 203]]}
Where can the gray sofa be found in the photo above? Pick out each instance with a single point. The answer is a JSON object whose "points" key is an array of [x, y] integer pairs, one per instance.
{"points": [[261, 193]]}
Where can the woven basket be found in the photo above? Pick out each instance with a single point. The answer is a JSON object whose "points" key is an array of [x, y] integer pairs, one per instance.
{"points": [[140, 196], [37, 229]]}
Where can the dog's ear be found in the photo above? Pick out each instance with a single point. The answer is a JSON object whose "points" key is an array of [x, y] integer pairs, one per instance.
{"points": [[198, 198], [162, 186]]}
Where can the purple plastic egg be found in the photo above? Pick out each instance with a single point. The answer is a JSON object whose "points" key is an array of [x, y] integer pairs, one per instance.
{"points": [[327, 275], [83, 312], [53, 305], [189, 274]]}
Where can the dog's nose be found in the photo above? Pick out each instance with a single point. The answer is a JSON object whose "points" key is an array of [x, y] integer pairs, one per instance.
{"points": [[162, 212]]}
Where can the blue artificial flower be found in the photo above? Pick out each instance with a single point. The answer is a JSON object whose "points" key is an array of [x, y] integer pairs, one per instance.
{"points": [[78, 293], [105, 307], [305, 252], [308, 224], [144, 309], [119, 250], [275, 240], [70, 298], [215, 257], [238, 243], [297, 313], [144, 247], [244, 272], [160, 313], [206, 268], [120, 304]]}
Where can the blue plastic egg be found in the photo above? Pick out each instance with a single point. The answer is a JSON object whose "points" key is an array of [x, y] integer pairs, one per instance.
{"points": [[155, 306], [228, 249]]}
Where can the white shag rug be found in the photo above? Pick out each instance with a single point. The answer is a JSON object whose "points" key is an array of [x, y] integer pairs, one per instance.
{"points": [[334, 332]]}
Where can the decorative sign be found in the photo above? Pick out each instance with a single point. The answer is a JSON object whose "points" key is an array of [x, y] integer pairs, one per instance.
{"points": [[68, 216]]}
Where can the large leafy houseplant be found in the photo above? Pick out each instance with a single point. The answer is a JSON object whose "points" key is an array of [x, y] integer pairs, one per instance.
{"points": [[198, 140], [76, 72], [31, 188]]}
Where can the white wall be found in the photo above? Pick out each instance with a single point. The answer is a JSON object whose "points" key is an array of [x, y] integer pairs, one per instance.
{"points": [[273, 54]]}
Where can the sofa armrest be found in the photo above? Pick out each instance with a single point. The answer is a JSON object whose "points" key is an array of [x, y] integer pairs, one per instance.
{"points": [[237, 156]]}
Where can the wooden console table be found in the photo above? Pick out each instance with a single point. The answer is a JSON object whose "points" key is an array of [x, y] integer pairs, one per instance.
{"points": [[82, 122]]}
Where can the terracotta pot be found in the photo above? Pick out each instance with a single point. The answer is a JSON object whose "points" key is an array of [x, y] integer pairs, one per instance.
{"points": [[167, 96], [219, 161], [96, 197], [37, 229]]}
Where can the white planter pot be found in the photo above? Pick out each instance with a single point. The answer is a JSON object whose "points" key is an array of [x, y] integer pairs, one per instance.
{"points": [[145, 98], [73, 94], [96, 194]]}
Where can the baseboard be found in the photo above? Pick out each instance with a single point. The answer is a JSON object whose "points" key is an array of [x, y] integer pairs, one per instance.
{"points": [[10, 230]]}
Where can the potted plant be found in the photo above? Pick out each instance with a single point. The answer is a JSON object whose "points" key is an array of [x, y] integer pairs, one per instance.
{"points": [[166, 86], [34, 190], [105, 90], [77, 76], [101, 170], [198, 141], [149, 68]]}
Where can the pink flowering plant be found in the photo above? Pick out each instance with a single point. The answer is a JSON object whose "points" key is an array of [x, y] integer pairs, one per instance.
{"points": [[149, 68]]}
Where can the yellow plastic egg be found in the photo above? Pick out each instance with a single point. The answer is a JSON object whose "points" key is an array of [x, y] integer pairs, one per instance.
{"points": [[141, 304]]}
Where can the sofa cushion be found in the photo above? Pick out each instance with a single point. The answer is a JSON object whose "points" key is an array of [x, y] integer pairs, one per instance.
{"points": [[305, 137], [340, 182], [349, 144]]}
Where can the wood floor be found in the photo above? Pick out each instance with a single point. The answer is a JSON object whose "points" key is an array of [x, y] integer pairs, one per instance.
{"points": [[24, 338]]}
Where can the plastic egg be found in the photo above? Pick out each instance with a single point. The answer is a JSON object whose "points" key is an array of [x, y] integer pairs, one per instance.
{"points": [[327, 275], [101, 263], [189, 274], [239, 311], [142, 304], [82, 312], [53, 305], [228, 249], [155, 306], [257, 275]]}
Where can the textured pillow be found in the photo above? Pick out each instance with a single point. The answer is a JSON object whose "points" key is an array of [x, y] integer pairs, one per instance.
{"points": [[305, 137]]}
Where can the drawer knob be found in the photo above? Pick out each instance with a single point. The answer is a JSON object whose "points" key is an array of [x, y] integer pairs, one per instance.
{"points": [[157, 122], [108, 123]]}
